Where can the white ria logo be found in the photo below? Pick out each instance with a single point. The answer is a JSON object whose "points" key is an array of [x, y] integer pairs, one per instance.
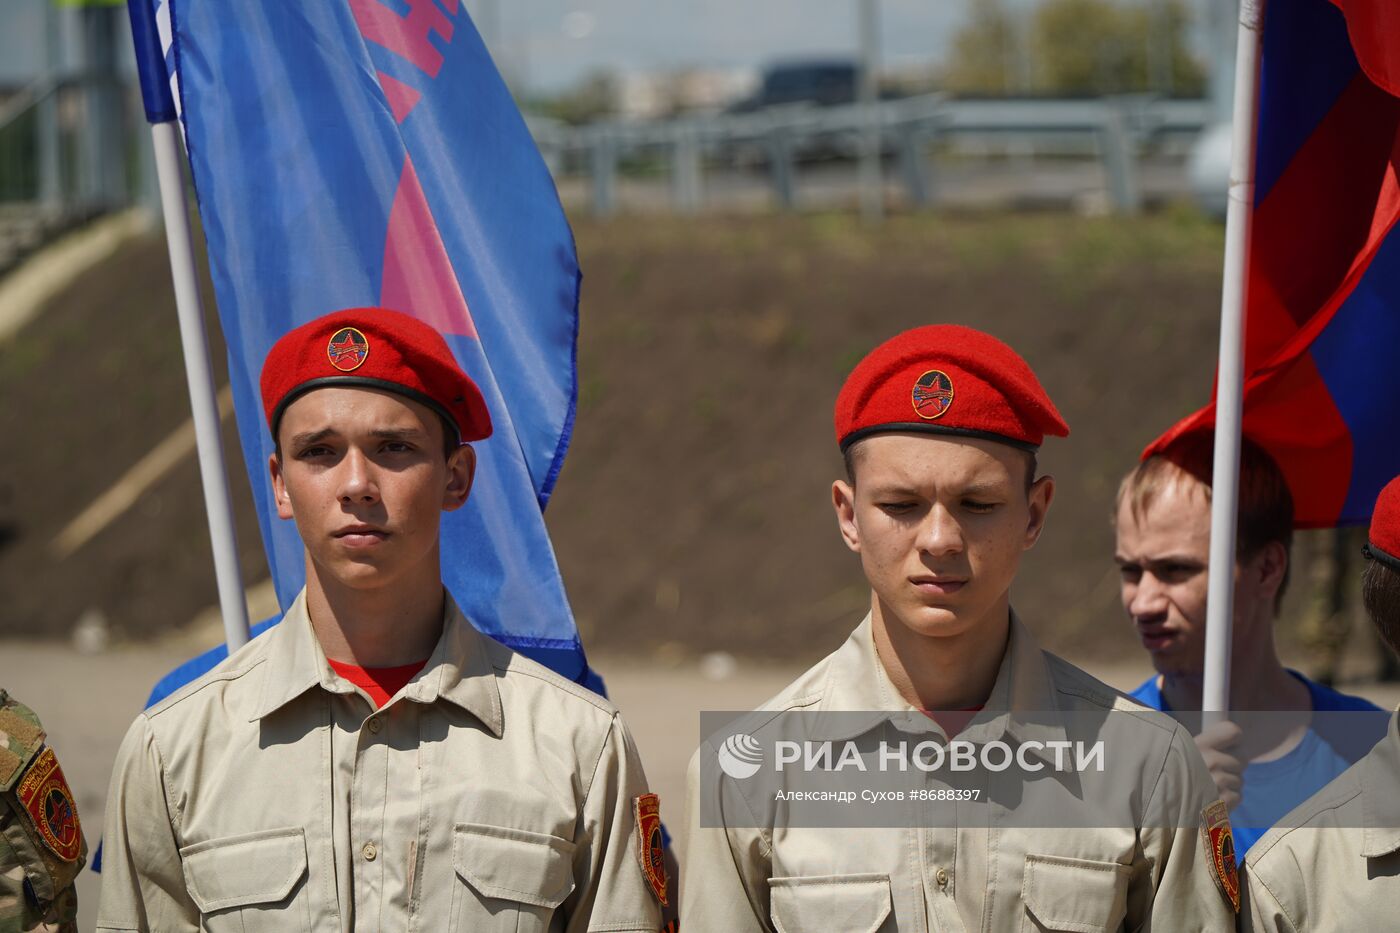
{"points": [[740, 756]]}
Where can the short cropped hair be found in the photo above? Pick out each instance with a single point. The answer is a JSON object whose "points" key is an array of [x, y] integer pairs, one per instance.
{"points": [[1266, 503], [849, 457], [1380, 593]]}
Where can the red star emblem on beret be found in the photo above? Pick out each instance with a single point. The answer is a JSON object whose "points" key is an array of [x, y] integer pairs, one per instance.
{"points": [[348, 349]]}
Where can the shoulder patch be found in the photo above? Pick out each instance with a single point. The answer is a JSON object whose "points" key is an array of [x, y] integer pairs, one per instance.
{"points": [[1219, 842], [651, 853], [46, 799]]}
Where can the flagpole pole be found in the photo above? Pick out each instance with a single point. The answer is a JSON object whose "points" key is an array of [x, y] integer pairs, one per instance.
{"points": [[1215, 695], [170, 158]]}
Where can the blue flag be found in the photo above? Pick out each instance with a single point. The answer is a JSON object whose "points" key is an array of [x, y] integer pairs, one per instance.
{"points": [[366, 152]]}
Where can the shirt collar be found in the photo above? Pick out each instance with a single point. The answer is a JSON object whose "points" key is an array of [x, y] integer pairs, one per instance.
{"points": [[1380, 795], [295, 662], [860, 694], [458, 671]]}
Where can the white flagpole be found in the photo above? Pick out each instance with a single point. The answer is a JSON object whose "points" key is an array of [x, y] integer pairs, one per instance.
{"points": [[170, 157], [1215, 696]]}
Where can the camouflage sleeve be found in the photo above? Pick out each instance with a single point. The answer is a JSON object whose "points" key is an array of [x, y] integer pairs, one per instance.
{"points": [[21, 907], [17, 909], [143, 882], [41, 840]]}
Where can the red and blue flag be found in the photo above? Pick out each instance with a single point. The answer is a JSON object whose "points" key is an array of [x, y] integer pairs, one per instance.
{"points": [[367, 152], [1322, 334]]}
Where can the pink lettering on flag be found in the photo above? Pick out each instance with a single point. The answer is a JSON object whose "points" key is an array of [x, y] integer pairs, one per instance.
{"points": [[406, 36], [418, 276], [402, 97]]}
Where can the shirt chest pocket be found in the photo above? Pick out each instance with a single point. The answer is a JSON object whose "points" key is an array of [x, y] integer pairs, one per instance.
{"points": [[1075, 895], [511, 880], [250, 883], [849, 903]]}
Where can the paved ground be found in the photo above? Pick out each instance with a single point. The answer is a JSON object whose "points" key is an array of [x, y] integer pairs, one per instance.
{"points": [[87, 701]]}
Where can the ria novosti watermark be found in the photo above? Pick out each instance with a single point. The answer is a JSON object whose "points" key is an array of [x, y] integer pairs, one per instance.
{"points": [[741, 756], [1122, 768]]}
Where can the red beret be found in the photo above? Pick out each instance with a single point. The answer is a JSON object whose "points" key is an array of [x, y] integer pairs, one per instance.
{"points": [[1384, 544], [373, 348], [946, 379]]}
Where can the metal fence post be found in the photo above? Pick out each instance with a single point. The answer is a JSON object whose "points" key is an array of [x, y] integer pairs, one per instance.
{"points": [[686, 168], [51, 188], [103, 186], [780, 165], [47, 150], [604, 164], [1120, 159], [872, 186], [914, 163]]}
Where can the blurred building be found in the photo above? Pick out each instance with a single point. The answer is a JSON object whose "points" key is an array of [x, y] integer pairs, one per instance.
{"points": [[656, 95]]}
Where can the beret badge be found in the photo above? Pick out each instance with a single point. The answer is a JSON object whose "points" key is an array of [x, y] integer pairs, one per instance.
{"points": [[348, 349], [933, 394]]}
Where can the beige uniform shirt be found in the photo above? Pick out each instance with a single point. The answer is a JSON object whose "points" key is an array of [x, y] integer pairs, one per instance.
{"points": [[487, 795], [1334, 862], [1145, 868]]}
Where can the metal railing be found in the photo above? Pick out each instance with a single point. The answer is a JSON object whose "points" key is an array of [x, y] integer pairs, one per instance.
{"points": [[1113, 130], [72, 148], [69, 150]]}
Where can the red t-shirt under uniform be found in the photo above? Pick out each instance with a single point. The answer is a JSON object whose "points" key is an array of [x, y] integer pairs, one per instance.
{"points": [[380, 683]]}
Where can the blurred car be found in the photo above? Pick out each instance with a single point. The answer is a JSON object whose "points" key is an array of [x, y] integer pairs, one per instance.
{"points": [[823, 82], [794, 86]]}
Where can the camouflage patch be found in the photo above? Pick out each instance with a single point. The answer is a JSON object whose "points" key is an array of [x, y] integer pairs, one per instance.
{"points": [[45, 797], [20, 909], [1219, 841], [651, 853], [20, 738], [63, 912], [10, 764]]}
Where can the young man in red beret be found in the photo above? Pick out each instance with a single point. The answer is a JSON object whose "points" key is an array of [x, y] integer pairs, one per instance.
{"points": [[373, 762], [939, 428], [1333, 864]]}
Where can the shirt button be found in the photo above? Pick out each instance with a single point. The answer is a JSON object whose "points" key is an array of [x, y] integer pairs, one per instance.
{"points": [[369, 852], [942, 877], [375, 724]]}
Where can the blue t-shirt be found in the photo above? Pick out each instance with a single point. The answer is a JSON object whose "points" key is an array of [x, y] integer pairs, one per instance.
{"points": [[1329, 747]]}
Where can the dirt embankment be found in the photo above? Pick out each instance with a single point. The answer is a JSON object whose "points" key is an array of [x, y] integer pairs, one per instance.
{"points": [[693, 512]]}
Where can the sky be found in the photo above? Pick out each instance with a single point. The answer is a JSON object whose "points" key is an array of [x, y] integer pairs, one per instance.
{"points": [[552, 43], [545, 45]]}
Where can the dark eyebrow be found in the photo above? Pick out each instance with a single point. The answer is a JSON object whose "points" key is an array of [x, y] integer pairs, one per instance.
{"points": [[1181, 559], [398, 434], [893, 489], [983, 489], [311, 437]]}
